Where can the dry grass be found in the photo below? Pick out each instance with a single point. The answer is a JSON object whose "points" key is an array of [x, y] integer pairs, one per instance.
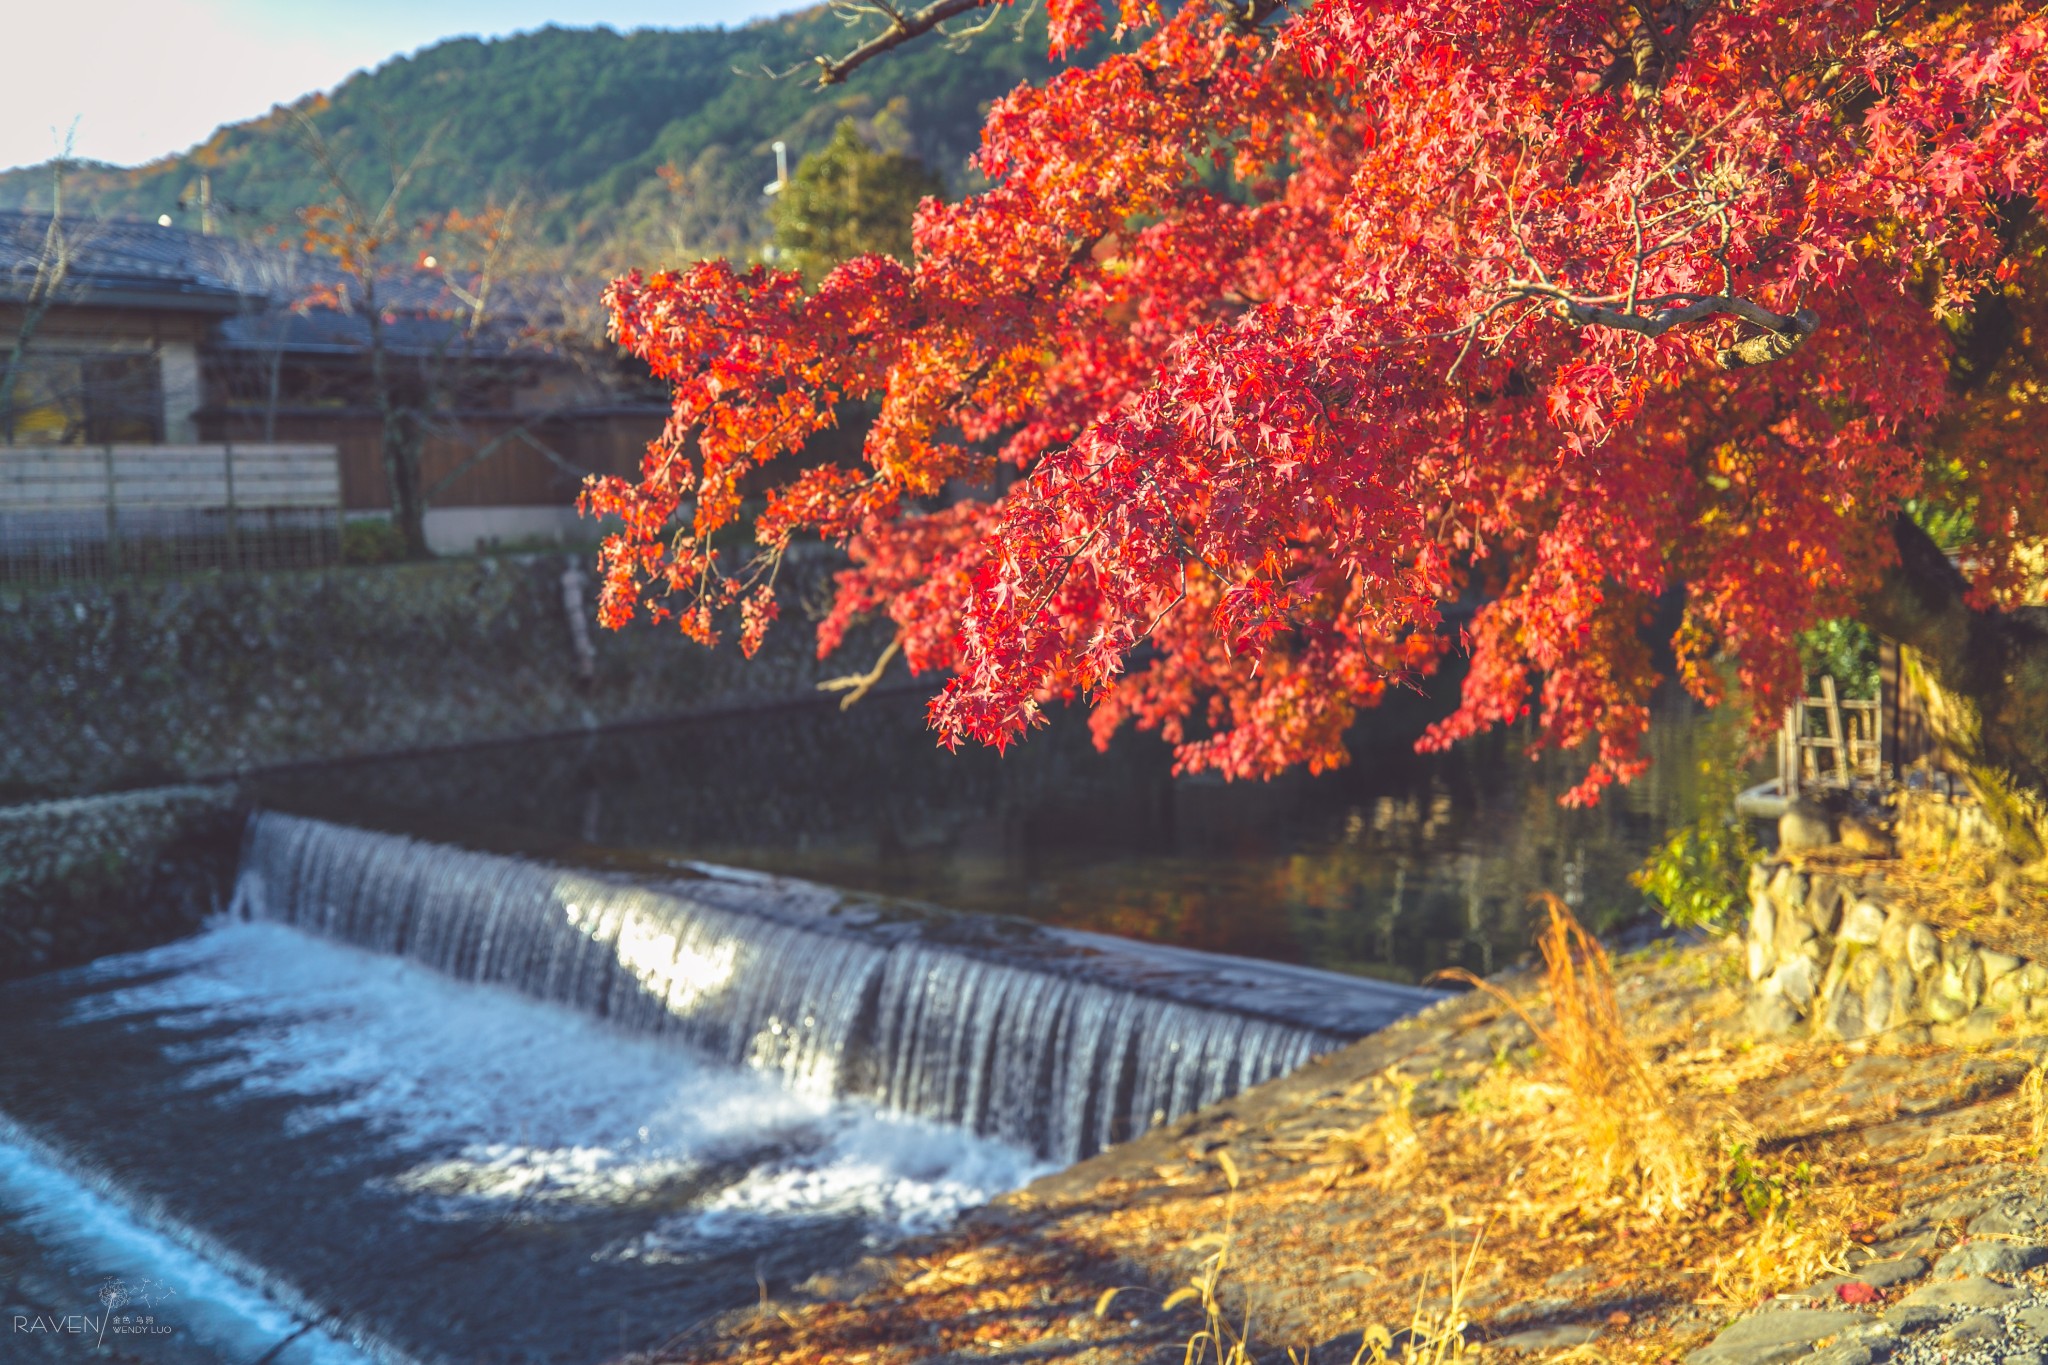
{"points": [[1218, 1338], [1628, 1140], [1434, 1335], [2034, 1104], [1395, 1141]]}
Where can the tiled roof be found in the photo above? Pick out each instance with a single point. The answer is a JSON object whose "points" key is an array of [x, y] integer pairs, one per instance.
{"points": [[260, 289], [125, 258]]}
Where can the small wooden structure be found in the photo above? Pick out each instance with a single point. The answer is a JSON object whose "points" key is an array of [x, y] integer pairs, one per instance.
{"points": [[77, 511], [1831, 741]]}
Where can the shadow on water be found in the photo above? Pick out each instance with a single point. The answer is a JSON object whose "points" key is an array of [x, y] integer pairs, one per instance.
{"points": [[1397, 866]]}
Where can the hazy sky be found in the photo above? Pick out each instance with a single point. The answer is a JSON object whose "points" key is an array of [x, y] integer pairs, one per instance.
{"points": [[146, 77]]}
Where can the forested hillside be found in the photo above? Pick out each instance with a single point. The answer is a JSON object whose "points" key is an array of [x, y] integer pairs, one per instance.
{"points": [[653, 143]]}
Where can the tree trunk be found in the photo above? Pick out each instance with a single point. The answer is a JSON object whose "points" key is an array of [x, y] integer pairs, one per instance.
{"points": [[402, 471], [1984, 678]]}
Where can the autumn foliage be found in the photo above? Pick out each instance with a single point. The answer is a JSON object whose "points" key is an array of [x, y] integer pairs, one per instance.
{"points": [[1300, 324]]}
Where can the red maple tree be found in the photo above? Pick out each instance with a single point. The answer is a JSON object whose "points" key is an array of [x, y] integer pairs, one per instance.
{"points": [[1300, 323]]}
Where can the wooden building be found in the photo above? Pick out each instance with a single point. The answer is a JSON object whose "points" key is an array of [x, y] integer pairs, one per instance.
{"points": [[138, 334]]}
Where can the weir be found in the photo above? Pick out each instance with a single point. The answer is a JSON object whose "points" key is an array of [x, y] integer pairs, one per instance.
{"points": [[1057, 1040]]}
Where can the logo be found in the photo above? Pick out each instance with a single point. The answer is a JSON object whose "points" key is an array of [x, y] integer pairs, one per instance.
{"points": [[126, 1309]]}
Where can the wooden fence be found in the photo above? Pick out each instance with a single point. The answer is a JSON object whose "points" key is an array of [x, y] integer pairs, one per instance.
{"points": [[73, 511]]}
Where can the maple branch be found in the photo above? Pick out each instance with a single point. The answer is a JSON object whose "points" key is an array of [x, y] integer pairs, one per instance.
{"points": [[902, 29], [1655, 45], [1783, 332], [1255, 12], [858, 685]]}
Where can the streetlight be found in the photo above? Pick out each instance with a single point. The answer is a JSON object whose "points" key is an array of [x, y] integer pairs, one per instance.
{"points": [[781, 169]]}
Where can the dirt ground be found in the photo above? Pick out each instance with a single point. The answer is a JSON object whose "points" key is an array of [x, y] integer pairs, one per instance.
{"points": [[1350, 1196]]}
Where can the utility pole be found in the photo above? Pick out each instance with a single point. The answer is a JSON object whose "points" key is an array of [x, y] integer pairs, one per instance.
{"points": [[770, 251], [207, 222]]}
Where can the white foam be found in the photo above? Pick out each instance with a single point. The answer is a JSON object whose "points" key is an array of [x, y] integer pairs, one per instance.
{"points": [[503, 1098]]}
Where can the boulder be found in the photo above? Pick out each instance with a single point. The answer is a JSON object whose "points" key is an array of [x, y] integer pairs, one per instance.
{"points": [[1863, 924], [1772, 1337], [1763, 923], [1976, 1330], [1998, 966], [1805, 825], [1760, 877], [1923, 949], [1788, 892], [1844, 1015], [1796, 936], [1976, 1292], [1962, 974], [1797, 980], [1991, 1258], [1545, 1338], [1825, 896], [2015, 1216], [1770, 1014], [1879, 1001], [1885, 1274]]}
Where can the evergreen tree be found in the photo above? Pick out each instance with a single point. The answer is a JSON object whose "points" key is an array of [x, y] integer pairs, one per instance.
{"points": [[847, 200]]}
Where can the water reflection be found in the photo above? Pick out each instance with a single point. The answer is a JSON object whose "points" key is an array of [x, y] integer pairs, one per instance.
{"points": [[1396, 866]]}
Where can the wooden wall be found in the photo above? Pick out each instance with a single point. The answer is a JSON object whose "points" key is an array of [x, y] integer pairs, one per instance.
{"points": [[514, 475]]}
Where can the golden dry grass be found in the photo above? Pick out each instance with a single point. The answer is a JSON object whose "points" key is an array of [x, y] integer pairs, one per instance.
{"points": [[1628, 1139]]}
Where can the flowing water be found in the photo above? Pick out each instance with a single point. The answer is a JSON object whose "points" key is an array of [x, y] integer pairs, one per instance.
{"points": [[540, 1052], [410, 1101]]}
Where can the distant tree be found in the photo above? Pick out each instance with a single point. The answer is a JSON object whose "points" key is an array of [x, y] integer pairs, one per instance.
{"points": [[847, 200], [46, 272], [389, 271], [362, 235], [576, 121]]}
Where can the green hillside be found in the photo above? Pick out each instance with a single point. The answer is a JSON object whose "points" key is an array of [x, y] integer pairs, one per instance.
{"points": [[577, 123]]}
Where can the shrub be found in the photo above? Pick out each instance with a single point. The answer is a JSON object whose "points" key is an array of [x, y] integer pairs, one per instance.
{"points": [[371, 540], [1700, 873]]}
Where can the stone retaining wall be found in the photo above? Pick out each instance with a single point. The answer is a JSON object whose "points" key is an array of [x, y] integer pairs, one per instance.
{"points": [[109, 685], [1830, 953], [1943, 824], [95, 875]]}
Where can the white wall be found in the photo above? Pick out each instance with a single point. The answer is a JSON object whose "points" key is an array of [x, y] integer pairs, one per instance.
{"points": [[464, 530], [178, 363]]}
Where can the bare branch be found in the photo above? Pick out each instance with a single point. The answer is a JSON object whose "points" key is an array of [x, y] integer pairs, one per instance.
{"points": [[858, 685], [902, 29]]}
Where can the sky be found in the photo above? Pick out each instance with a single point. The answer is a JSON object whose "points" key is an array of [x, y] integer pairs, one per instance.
{"points": [[130, 80]]}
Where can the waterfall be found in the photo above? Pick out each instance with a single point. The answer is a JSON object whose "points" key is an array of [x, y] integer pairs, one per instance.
{"points": [[1061, 1041]]}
